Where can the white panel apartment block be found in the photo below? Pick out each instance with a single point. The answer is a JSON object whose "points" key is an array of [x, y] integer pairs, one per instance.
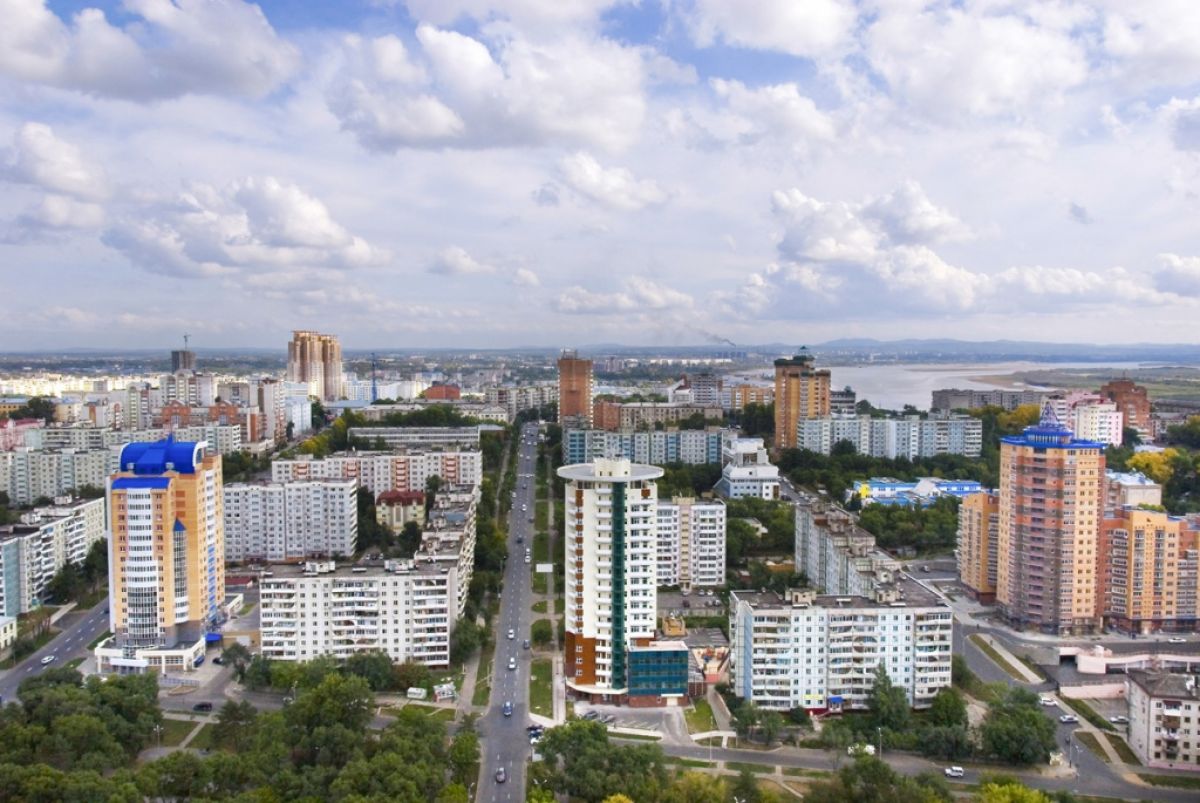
{"points": [[286, 521]]}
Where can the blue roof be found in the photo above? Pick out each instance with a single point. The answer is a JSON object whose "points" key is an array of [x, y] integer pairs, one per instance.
{"points": [[159, 457], [141, 483], [179, 526]]}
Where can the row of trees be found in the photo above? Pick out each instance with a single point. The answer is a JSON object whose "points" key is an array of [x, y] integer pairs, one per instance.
{"points": [[36, 407], [76, 581], [376, 668]]}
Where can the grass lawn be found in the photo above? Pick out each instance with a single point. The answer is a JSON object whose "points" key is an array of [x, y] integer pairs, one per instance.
{"points": [[74, 662], [1087, 712], [540, 695], [637, 737], [203, 740], [89, 601], [700, 717], [1093, 743], [482, 677], [1123, 750], [800, 772], [539, 606], [560, 605], [541, 548], [176, 730], [539, 583], [997, 659], [1033, 667], [433, 711], [541, 514], [690, 762], [1170, 780], [105, 635], [249, 606], [738, 766]]}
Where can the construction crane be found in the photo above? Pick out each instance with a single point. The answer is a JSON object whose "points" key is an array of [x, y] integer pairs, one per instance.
{"points": [[374, 381]]}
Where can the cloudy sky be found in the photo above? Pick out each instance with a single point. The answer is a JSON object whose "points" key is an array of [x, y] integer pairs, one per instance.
{"points": [[507, 172]]}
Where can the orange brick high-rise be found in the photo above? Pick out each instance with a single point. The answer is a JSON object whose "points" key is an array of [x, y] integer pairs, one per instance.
{"points": [[1051, 510], [801, 392]]}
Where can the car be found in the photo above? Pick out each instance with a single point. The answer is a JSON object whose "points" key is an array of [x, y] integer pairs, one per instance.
{"points": [[860, 750], [534, 738], [1068, 719], [512, 662], [507, 709], [525, 644], [1176, 640], [501, 775], [1119, 720], [532, 728], [590, 715], [925, 568], [49, 659], [202, 707], [1047, 701], [687, 604], [520, 539], [954, 772], [528, 559], [608, 719], [512, 633], [219, 660]]}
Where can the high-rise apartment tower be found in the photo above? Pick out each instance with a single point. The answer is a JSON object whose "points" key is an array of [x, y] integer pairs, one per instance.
{"points": [[316, 359], [1052, 490], [574, 391], [610, 535], [801, 392]]}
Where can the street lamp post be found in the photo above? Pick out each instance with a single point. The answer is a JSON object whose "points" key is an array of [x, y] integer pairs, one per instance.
{"points": [[879, 730], [158, 733]]}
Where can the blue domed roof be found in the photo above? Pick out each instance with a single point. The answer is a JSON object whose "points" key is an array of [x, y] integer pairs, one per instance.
{"points": [[161, 456]]}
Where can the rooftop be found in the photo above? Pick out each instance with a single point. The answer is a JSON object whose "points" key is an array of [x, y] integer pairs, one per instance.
{"points": [[610, 470], [162, 456], [1166, 684], [911, 595], [363, 568]]}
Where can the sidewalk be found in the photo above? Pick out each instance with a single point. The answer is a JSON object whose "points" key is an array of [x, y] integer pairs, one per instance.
{"points": [[1017, 664]]}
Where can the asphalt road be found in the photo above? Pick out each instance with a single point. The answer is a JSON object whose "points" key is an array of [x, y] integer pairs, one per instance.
{"points": [[503, 739], [79, 631]]}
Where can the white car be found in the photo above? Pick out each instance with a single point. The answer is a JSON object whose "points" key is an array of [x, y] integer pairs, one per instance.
{"points": [[1068, 719], [48, 660], [860, 750], [1047, 701], [1176, 640], [512, 662], [512, 633], [954, 772], [1119, 720]]}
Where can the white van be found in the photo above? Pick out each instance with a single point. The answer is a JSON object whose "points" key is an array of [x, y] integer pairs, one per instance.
{"points": [[955, 772]]}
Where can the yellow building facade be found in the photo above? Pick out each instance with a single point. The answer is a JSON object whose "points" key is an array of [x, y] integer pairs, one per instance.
{"points": [[801, 392], [978, 532]]}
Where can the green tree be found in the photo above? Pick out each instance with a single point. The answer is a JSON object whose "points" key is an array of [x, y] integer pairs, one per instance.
{"points": [[887, 703], [800, 716], [772, 725], [465, 639], [697, 787], [1015, 731], [453, 793], [375, 667], [410, 538], [587, 766], [541, 632], [1010, 793], [948, 708], [745, 787], [409, 675], [464, 755], [869, 780], [235, 725], [238, 657]]}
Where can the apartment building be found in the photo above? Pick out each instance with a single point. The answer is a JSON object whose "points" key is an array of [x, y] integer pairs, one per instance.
{"points": [[222, 438], [403, 608], [166, 566], [736, 397], [691, 446], [424, 438], [14, 433], [379, 472], [837, 555], [316, 360], [909, 437], [1133, 401], [955, 399], [820, 652], [27, 474], [691, 543], [1052, 490], [519, 399], [1130, 489], [1164, 719], [1146, 575], [746, 469], [43, 542], [1099, 421], [610, 587], [978, 530], [801, 392], [281, 521], [575, 391]]}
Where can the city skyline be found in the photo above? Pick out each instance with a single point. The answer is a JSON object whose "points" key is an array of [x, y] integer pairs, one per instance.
{"points": [[440, 173]]}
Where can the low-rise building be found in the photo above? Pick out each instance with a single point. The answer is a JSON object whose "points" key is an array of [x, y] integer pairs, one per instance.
{"points": [[1164, 719], [1130, 489], [45, 540], [403, 608], [746, 469], [285, 521], [915, 493], [820, 652], [691, 543], [8, 633], [394, 509], [691, 446]]}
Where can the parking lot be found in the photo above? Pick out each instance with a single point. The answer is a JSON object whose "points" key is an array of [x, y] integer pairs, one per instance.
{"points": [[673, 603], [667, 721]]}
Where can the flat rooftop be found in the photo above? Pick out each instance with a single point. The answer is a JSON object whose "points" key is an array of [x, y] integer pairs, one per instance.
{"points": [[914, 595], [364, 568]]}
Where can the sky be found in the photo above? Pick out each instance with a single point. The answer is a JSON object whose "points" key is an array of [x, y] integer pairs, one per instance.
{"points": [[493, 173]]}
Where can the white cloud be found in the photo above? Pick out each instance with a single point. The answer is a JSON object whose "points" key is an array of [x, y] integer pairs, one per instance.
{"points": [[1180, 275], [528, 13], [776, 111], [505, 91], [1152, 41], [1183, 121], [812, 28], [614, 187], [638, 295], [524, 277], [906, 215], [253, 225], [946, 61], [455, 261], [59, 212], [40, 158], [172, 48]]}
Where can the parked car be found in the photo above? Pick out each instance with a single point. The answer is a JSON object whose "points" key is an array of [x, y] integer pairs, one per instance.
{"points": [[1068, 719], [219, 661], [954, 772], [1119, 720], [48, 660], [590, 715], [525, 644], [860, 750], [1176, 640], [608, 719], [202, 707]]}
